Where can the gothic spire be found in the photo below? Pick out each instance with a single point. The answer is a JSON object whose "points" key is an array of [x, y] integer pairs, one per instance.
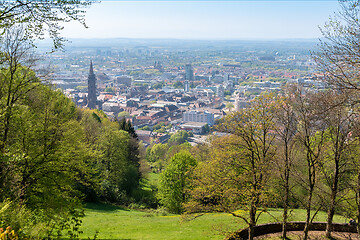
{"points": [[91, 72], [91, 88]]}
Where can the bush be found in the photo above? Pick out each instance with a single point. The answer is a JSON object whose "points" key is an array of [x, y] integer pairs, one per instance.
{"points": [[22, 223]]}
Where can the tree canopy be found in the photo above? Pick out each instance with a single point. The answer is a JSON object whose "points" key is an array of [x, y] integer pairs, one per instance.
{"points": [[39, 18]]}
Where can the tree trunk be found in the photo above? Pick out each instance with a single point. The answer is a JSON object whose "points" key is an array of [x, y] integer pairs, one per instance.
{"points": [[308, 216], [331, 213], [331, 210], [285, 216], [286, 194], [358, 202], [311, 177], [252, 220]]}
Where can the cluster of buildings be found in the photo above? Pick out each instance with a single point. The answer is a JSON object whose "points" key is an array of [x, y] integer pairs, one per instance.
{"points": [[145, 107], [185, 108], [188, 97]]}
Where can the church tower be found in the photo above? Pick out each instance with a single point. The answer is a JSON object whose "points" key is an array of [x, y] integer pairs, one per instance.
{"points": [[91, 88]]}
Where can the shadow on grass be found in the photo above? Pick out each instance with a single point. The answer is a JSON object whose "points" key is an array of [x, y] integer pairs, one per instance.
{"points": [[102, 207]]}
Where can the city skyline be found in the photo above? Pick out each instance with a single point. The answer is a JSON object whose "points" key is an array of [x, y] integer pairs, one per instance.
{"points": [[217, 20]]}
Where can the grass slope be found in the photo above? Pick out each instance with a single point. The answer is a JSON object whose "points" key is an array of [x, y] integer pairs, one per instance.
{"points": [[117, 223]]}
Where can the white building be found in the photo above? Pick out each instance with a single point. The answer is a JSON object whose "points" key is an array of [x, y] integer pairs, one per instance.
{"points": [[196, 116], [240, 101], [220, 91]]}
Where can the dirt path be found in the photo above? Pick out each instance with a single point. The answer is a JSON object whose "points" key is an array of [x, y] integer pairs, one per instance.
{"points": [[313, 235]]}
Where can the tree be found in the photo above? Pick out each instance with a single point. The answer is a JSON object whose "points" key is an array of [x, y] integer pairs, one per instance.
{"points": [[338, 144], [338, 58], [40, 17], [46, 157], [338, 55], [222, 184], [239, 180], [178, 84], [158, 85], [43, 155], [179, 137], [128, 127], [285, 127], [206, 128], [353, 198], [229, 106], [254, 125], [16, 81], [176, 149], [118, 174], [110, 90], [174, 181], [123, 114], [156, 155], [310, 142]]}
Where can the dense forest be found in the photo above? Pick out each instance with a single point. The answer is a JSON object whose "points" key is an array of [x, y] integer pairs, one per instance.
{"points": [[296, 149]]}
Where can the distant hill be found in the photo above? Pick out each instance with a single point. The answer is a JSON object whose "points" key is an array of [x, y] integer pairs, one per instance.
{"points": [[255, 44]]}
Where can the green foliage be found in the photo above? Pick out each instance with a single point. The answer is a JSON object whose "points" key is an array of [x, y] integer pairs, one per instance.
{"points": [[123, 114], [241, 178], [221, 184], [145, 128], [135, 73], [127, 126], [40, 19], [118, 175], [80, 88], [96, 117], [227, 93], [110, 90], [43, 152], [160, 127], [174, 181], [34, 224], [177, 148], [158, 85], [53, 154], [229, 105], [156, 156], [206, 129], [179, 137], [155, 72], [178, 84]]}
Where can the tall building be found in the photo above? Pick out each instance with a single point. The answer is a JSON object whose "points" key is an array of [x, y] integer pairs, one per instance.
{"points": [[91, 88], [186, 86], [189, 73], [240, 100], [220, 91], [158, 66]]}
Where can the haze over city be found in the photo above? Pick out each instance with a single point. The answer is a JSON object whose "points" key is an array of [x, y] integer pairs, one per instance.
{"points": [[204, 19]]}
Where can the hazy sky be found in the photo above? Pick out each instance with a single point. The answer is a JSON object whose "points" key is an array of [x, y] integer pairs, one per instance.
{"points": [[234, 19]]}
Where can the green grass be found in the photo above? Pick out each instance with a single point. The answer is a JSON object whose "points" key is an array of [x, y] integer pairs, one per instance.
{"points": [[118, 223]]}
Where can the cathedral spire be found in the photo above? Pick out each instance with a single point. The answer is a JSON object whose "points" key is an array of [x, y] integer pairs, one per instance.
{"points": [[91, 88], [91, 71]]}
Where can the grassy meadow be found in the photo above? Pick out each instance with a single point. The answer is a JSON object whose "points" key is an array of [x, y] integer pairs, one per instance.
{"points": [[113, 222]]}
